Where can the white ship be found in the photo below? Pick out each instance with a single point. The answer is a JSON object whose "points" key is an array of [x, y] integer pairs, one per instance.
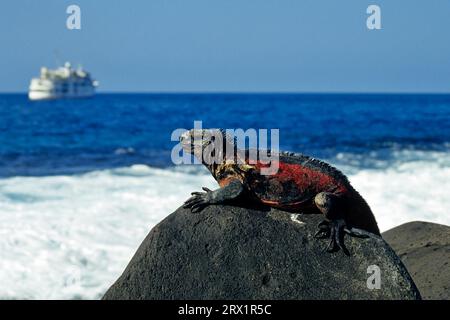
{"points": [[63, 82]]}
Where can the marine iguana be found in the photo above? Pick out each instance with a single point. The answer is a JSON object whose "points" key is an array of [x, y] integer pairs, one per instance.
{"points": [[301, 184]]}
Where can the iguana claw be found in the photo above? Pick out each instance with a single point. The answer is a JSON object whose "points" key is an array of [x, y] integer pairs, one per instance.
{"points": [[324, 230], [335, 231], [199, 200], [337, 236]]}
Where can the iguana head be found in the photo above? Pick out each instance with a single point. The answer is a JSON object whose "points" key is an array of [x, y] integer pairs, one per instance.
{"points": [[211, 146], [217, 150], [200, 141]]}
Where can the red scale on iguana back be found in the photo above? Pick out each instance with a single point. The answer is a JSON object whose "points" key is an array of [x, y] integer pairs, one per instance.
{"points": [[304, 177], [293, 186]]}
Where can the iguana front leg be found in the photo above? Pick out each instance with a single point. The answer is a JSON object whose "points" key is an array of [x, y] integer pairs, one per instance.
{"points": [[200, 200], [335, 227]]}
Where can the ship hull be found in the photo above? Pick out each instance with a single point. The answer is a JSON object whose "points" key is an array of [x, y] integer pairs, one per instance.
{"points": [[41, 95]]}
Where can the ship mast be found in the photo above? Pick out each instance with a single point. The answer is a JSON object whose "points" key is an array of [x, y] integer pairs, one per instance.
{"points": [[57, 57]]}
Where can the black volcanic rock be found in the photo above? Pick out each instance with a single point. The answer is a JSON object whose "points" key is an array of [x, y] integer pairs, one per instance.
{"points": [[227, 252], [425, 250]]}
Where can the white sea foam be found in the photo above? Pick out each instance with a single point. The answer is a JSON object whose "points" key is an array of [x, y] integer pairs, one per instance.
{"points": [[72, 236], [411, 191]]}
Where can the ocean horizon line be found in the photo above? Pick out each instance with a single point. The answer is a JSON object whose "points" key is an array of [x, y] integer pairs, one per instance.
{"points": [[354, 93]]}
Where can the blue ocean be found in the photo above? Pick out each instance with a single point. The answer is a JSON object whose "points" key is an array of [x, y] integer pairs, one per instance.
{"points": [[83, 181]]}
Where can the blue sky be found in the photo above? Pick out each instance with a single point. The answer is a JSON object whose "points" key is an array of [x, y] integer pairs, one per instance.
{"points": [[232, 45]]}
